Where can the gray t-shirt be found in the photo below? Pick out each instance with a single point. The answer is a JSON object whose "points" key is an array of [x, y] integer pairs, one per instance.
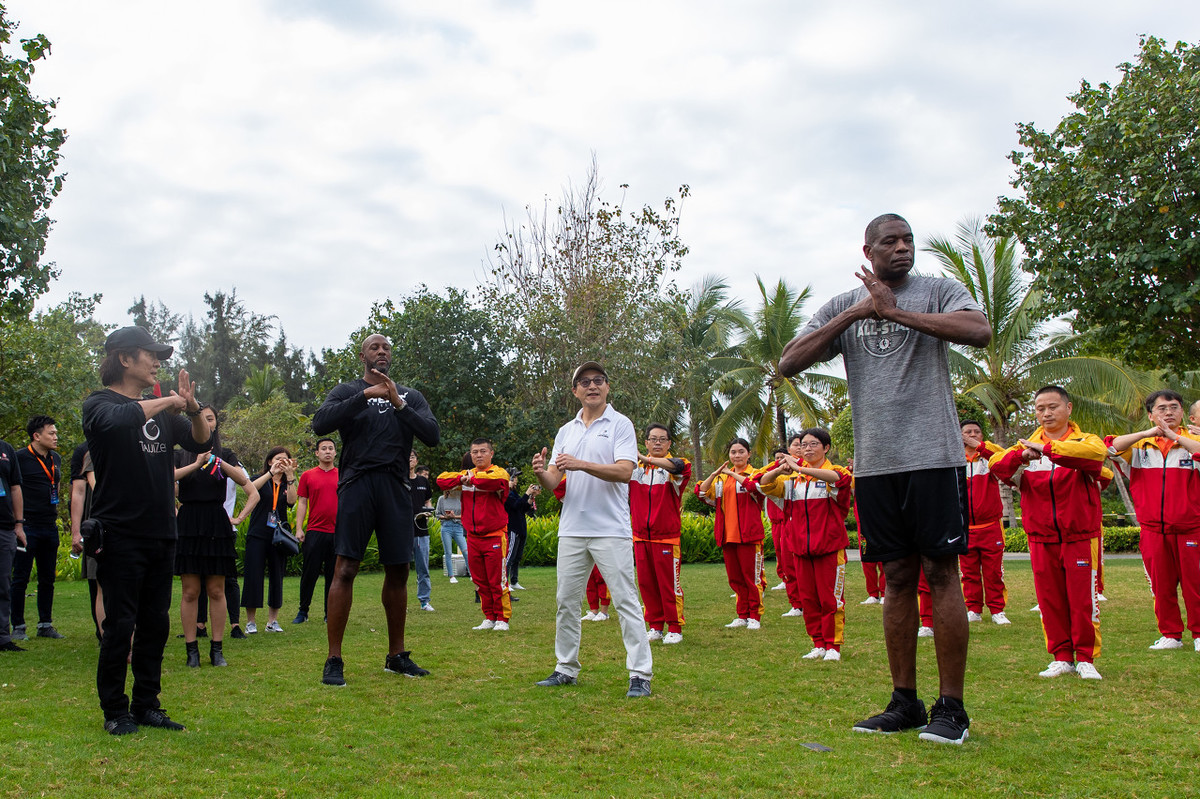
{"points": [[899, 380]]}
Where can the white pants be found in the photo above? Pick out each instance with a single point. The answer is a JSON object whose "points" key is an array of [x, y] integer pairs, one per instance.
{"points": [[614, 556]]}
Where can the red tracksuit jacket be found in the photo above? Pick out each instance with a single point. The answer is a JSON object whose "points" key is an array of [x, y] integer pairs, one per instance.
{"points": [[483, 496], [655, 497], [814, 512], [749, 508], [984, 507], [1165, 488]]}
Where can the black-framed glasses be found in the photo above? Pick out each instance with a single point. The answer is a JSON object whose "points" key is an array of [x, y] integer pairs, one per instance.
{"points": [[597, 381], [658, 439]]}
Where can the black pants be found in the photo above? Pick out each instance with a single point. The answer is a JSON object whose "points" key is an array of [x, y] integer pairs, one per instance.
{"points": [[319, 559], [136, 575], [43, 550], [8, 548], [262, 556], [516, 551], [232, 598]]}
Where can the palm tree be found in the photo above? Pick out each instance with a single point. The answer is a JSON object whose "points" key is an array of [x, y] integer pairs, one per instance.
{"points": [[262, 384], [760, 398]]}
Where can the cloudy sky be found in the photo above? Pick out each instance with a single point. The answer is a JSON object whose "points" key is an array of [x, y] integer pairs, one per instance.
{"points": [[319, 155]]}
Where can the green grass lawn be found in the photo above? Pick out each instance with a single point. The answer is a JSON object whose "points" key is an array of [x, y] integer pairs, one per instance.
{"points": [[730, 712]]}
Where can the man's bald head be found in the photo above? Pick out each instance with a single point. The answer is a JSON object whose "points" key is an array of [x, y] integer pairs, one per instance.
{"points": [[376, 353]]}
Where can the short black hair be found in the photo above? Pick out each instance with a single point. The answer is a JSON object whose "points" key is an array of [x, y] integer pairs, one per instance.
{"points": [[1151, 400], [739, 440], [1062, 392], [819, 433], [421, 468], [657, 426], [477, 441], [321, 441], [964, 422], [271, 453], [36, 423], [872, 232], [111, 368]]}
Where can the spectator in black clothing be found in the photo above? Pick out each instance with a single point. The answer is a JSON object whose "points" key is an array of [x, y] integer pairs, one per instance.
{"points": [[422, 505], [518, 506], [83, 483], [41, 470], [12, 534], [131, 440], [276, 493]]}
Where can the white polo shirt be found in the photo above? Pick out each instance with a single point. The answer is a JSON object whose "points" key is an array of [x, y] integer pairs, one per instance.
{"points": [[593, 507]]}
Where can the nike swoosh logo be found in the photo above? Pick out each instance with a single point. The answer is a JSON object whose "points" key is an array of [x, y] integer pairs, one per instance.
{"points": [[952, 540]]}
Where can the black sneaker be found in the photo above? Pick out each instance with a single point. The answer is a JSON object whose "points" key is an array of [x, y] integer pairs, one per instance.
{"points": [[236, 632], [158, 718], [122, 725], [49, 632], [900, 715], [201, 632], [555, 679], [11, 647], [333, 672], [638, 687], [402, 664], [301, 617], [18, 633], [948, 722]]}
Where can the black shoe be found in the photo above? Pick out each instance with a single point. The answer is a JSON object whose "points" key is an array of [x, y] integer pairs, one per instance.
{"points": [[215, 655], [193, 654], [948, 722], [333, 672], [301, 617], [157, 718], [557, 678], [236, 632], [638, 687], [11, 647], [900, 715], [49, 632], [122, 725], [512, 598], [402, 664], [18, 632], [201, 632]]}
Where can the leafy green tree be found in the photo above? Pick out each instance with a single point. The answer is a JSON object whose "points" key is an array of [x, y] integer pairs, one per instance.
{"points": [[260, 386], [163, 325], [760, 398], [1109, 214], [29, 176], [219, 351], [251, 430]]}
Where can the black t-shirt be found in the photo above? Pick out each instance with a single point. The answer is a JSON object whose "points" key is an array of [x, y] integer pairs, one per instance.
{"points": [[375, 436], [10, 475], [135, 469], [420, 491], [266, 498], [81, 464], [206, 484], [42, 486]]}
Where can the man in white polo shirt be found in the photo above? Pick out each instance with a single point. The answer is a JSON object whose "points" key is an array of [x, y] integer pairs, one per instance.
{"points": [[596, 452]]}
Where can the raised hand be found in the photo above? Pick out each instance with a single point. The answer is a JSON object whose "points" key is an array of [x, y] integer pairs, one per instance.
{"points": [[539, 461], [881, 294]]}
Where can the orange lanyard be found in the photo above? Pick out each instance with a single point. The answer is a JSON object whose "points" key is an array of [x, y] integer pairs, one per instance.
{"points": [[52, 472], [275, 495]]}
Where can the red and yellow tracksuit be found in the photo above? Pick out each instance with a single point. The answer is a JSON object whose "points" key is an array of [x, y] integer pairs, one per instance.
{"points": [[814, 524], [1165, 485], [1060, 508], [783, 557], [486, 524], [598, 595], [655, 499], [983, 565], [738, 528]]}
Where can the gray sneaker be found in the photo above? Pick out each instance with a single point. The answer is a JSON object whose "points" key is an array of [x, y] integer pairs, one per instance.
{"points": [[18, 633], [638, 687], [48, 632], [556, 679]]}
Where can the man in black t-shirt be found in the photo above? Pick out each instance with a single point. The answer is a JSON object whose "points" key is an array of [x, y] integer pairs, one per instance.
{"points": [[12, 533], [41, 470], [377, 420], [131, 441], [83, 479]]}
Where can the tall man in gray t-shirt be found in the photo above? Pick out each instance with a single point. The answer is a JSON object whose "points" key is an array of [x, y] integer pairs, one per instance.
{"points": [[893, 333]]}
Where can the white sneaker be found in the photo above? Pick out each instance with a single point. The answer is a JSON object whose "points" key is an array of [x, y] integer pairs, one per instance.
{"points": [[881, 600], [1196, 641], [1057, 668], [1000, 618], [793, 612], [736, 623], [488, 624], [753, 624], [273, 627], [453, 581], [500, 625], [1167, 643], [1087, 671], [675, 638], [517, 587], [779, 587], [589, 616], [251, 628], [871, 600], [973, 616], [925, 632], [833, 654], [815, 654], [427, 607], [654, 635], [733, 595], [1099, 598], [601, 616], [1036, 609]]}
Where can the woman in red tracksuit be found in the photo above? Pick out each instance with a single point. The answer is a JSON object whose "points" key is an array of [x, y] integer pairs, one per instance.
{"points": [[738, 528], [816, 500]]}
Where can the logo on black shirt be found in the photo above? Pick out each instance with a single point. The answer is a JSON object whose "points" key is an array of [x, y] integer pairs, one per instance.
{"points": [[381, 405], [151, 432]]}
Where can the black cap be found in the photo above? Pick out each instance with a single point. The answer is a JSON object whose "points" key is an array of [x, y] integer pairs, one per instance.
{"points": [[137, 337]]}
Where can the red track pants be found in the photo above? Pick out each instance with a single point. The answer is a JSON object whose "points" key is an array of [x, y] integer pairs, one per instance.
{"points": [[983, 570], [744, 567], [487, 557], [658, 580], [598, 595], [822, 584], [1064, 577], [1173, 561]]}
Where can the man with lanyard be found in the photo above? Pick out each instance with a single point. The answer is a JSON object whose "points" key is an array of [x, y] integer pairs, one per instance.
{"points": [[655, 497], [12, 535], [983, 565], [595, 452], [377, 420], [133, 519], [316, 519], [1164, 480], [41, 469]]}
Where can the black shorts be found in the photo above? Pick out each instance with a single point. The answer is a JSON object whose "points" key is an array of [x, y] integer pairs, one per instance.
{"points": [[379, 502], [912, 513]]}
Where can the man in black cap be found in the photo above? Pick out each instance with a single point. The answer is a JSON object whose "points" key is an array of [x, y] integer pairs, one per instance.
{"points": [[133, 513]]}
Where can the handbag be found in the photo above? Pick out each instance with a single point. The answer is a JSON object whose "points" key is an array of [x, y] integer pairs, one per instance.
{"points": [[283, 540]]}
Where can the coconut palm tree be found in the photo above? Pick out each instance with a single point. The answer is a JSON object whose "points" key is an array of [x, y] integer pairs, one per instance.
{"points": [[760, 399]]}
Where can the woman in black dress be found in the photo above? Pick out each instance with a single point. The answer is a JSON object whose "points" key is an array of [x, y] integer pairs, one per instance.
{"points": [[205, 553], [277, 492]]}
